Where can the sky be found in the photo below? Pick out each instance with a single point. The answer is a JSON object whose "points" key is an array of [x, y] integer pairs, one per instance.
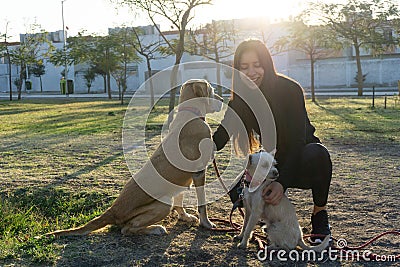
{"points": [[96, 16]]}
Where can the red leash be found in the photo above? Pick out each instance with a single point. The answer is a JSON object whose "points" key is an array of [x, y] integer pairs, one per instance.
{"points": [[219, 176], [234, 227]]}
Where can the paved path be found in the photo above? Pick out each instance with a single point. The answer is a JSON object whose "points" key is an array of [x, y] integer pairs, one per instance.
{"points": [[325, 92]]}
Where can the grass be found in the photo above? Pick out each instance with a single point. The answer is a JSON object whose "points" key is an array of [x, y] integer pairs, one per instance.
{"points": [[55, 153], [350, 119]]}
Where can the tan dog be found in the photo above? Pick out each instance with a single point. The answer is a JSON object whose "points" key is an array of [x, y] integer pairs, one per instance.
{"points": [[147, 197], [283, 229]]}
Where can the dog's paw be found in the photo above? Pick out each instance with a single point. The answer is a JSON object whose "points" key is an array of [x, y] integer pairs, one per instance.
{"points": [[207, 224], [188, 218], [242, 245], [156, 230]]}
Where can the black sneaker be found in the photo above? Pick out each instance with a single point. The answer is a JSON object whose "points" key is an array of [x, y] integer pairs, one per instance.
{"points": [[320, 226]]}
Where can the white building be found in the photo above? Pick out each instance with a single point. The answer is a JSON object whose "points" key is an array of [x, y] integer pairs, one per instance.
{"points": [[337, 71]]}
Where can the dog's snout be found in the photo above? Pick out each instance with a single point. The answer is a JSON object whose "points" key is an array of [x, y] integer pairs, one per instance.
{"points": [[275, 173], [218, 97]]}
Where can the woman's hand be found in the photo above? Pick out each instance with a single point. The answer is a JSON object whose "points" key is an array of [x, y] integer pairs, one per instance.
{"points": [[273, 193]]}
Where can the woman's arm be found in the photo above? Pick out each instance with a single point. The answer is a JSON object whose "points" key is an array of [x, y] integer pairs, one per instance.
{"points": [[220, 137]]}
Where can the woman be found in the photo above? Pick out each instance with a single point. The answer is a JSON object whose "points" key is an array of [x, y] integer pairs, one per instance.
{"points": [[303, 162]]}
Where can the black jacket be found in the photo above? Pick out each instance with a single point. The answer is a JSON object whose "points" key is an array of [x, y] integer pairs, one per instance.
{"points": [[293, 127]]}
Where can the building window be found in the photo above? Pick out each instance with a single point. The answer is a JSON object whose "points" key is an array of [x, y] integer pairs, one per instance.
{"points": [[132, 70]]}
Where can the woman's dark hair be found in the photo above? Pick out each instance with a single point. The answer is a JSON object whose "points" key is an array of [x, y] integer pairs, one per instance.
{"points": [[263, 56], [237, 103]]}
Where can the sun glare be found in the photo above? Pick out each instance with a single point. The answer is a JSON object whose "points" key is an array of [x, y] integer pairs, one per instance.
{"points": [[274, 11]]}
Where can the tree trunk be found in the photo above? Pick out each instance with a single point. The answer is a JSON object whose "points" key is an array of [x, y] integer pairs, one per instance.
{"points": [[219, 87], [21, 78], [41, 85], [125, 80], [174, 80], [360, 82], [9, 74], [150, 81], [105, 82], [178, 56], [123, 93], [109, 85], [119, 91], [108, 73], [312, 61]]}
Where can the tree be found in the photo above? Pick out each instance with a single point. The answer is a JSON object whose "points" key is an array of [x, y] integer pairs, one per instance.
{"points": [[359, 23], [150, 51], [4, 50], [38, 70], [77, 51], [89, 75], [179, 14], [32, 49], [102, 53], [215, 42], [119, 76], [126, 53], [309, 39]]}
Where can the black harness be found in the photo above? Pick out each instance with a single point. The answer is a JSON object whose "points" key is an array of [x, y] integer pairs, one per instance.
{"points": [[236, 193]]}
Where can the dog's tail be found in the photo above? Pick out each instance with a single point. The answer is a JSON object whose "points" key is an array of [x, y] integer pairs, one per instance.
{"points": [[99, 222], [317, 248]]}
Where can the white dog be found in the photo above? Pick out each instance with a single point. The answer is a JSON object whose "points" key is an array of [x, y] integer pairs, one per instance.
{"points": [[283, 229]]}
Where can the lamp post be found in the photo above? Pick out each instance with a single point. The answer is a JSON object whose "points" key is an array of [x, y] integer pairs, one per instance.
{"points": [[64, 46]]}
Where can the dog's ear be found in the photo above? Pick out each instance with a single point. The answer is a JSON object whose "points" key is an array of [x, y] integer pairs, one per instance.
{"points": [[201, 89]]}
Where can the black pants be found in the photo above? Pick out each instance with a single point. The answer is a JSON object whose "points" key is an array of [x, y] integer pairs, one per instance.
{"points": [[315, 172]]}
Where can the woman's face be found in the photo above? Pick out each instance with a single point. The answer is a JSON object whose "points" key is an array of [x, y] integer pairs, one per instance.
{"points": [[251, 67]]}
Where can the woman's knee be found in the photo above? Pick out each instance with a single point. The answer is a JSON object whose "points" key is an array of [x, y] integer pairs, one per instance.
{"points": [[316, 153]]}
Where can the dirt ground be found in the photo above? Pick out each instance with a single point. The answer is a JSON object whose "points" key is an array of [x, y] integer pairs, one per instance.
{"points": [[363, 202]]}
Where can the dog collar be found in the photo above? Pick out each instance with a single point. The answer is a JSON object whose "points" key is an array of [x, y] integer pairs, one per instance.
{"points": [[195, 111], [247, 176]]}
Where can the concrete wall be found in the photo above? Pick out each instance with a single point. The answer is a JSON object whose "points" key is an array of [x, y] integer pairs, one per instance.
{"points": [[341, 73]]}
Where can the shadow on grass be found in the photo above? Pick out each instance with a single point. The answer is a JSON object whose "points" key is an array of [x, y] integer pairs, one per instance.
{"points": [[85, 170], [54, 202], [368, 121]]}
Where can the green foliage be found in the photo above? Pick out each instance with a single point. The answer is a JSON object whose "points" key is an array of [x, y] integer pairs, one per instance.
{"points": [[32, 50], [311, 40], [211, 41], [18, 82], [104, 54], [361, 24], [38, 69], [3, 47], [89, 75]]}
